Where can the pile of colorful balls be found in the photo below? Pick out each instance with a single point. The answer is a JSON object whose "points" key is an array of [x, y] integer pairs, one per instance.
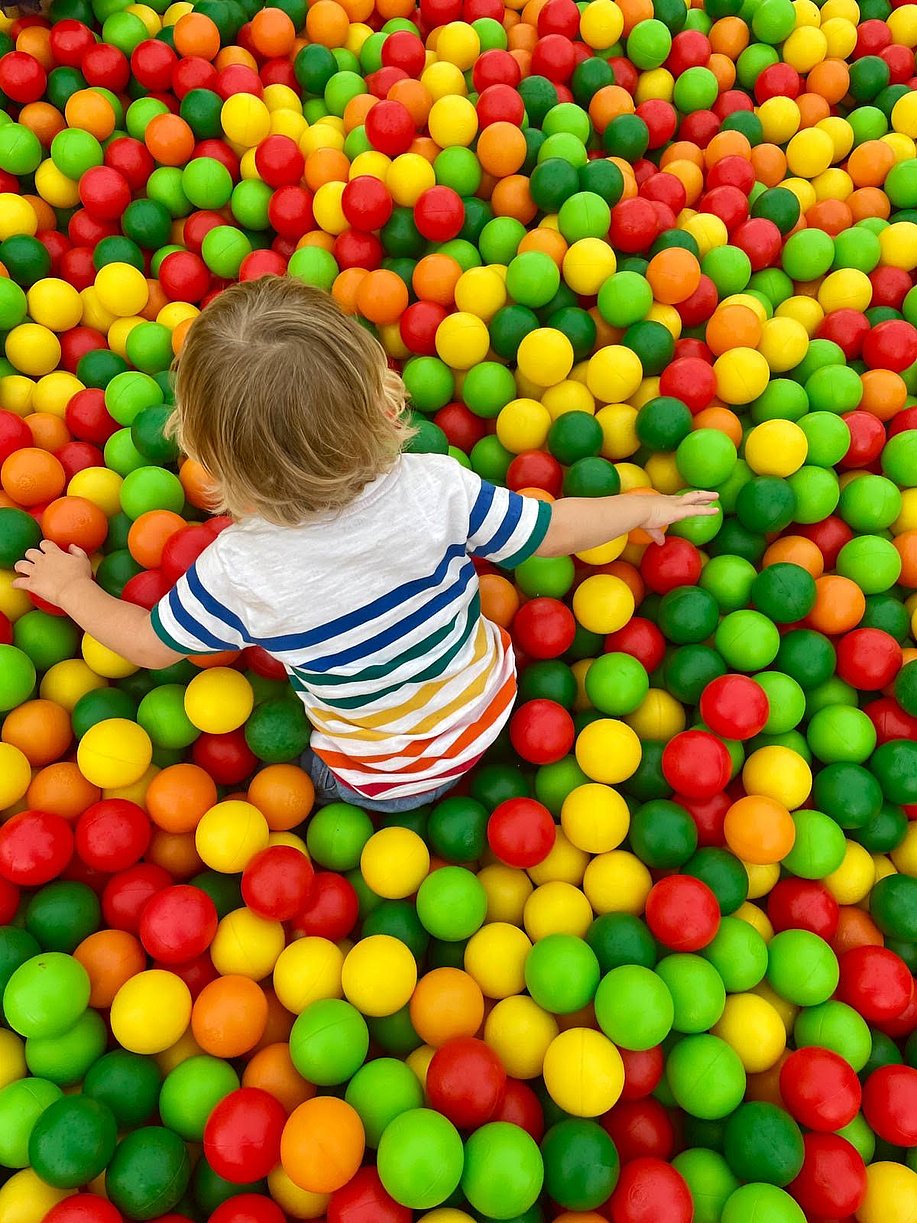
{"points": [[654, 961]]}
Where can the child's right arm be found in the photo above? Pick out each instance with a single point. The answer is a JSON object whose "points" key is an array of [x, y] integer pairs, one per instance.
{"points": [[581, 523]]}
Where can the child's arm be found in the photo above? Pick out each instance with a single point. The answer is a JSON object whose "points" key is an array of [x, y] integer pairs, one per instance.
{"points": [[65, 579], [580, 523]]}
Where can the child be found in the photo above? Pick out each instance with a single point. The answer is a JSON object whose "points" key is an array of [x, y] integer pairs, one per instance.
{"points": [[348, 560]]}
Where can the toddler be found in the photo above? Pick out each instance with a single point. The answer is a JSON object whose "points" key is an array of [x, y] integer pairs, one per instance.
{"points": [[348, 559]]}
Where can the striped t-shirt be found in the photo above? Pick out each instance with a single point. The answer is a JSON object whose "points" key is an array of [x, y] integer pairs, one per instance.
{"points": [[375, 612]]}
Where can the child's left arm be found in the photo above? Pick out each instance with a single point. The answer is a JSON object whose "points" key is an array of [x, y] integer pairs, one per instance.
{"points": [[65, 579]]}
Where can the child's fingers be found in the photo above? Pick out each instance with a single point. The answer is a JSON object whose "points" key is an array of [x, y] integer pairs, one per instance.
{"points": [[74, 550], [655, 535], [700, 496]]}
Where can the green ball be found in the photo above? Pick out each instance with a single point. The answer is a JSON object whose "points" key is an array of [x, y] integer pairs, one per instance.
{"points": [[616, 684], [764, 1142], [17, 677], [380, 1091], [18, 532], [149, 1173], [127, 1083], [869, 503], [663, 423], [709, 1180], [848, 793], [872, 562], [162, 715], [46, 995], [766, 504], [893, 906], [784, 593], [662, 834], [583, 215], [312, 264], [329, 1042], [620, 938], [488, 387], [688, 615], [705, 458], [191, 1091], [61, 914], [223, 250], [801, 967], [697, 992], [421, 1158], [149, 347], [689, 669], [819, 847], [786, 701], [207, 183], [649, 44], [722, 872], [624, 299], [72, 1141], [808, 253], [738, 953], [22, 1104], [581, 1164], [894, 763], [151, 488], [128, 393], [806, 655], [841, 733], [25, 258], [899, 459], [452, 903], [634, 1008], [503, 1171], [729, 579], [762, 1202], [835, 1026], [747, 640], [278, 730], [336, 835], [66, 1058], [906, 688], [532, 279], [706, 1077], [562, 973]]}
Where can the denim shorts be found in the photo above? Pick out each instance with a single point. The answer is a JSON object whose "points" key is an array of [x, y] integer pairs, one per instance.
{"points": [[330, 789]]}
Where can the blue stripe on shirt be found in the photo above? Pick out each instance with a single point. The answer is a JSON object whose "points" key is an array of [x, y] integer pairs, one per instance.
{"points": [[481, 507], [504, 532]]}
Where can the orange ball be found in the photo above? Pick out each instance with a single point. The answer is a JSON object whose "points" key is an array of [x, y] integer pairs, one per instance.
{"points": [[434, 279], [40, 729], [501, 149], [759, 830], [169, 139], [91, 111], [839, 605], [229, 1016], [279, 1022], [855, 928], [884, 393], [110, 958], [673, 275], [195, 480], [149, 534], [906, 546], [322, 1144], [732, 327], [272, 1070], [195, 34], [75, 520], [49, 432], [382, 296], [272, 32], [32, 476], [327, 24], [795, 550], [178, 797], [284, 794], [869, 163], [446, 1003], [176, 853], [43, 119], [499, 599], [718, 417], [512, 198], [62, 790]]}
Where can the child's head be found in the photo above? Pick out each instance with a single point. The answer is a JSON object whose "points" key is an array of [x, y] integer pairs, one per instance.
{"points": [[288, 403]]}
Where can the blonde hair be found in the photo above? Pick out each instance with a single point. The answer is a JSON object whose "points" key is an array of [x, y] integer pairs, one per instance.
{"points": [[287, 403]]}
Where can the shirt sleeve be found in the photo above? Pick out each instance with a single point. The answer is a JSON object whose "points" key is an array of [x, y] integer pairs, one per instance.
{"points": [[195, 617], [503, 526]]}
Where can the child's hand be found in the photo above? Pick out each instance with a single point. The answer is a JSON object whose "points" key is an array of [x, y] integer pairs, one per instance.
{"points": [[47, 571], [662, 511]]}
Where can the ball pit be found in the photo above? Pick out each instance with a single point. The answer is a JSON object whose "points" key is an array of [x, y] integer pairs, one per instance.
{"points": [[654, 959]]}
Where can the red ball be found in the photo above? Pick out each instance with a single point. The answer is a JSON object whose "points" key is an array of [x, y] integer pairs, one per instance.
{"points": [[331, 910], [193, 73], [365, 1200], [543, 628], [178, 924], [460, 425], [832, 1181], [868, 658], [404, 50], [520, 1106], [465, 1082], [890, 1104], [76, 343], [418, 326], [500, 103], [643, 1069], [553, 57], [890, 720], [279, 161], [494, 67], [104, 192], [390, 128], [195, 973], [665, 188], [761, 241], [84, 1207], [535, 469], [673, 563], [648, 1191], [248, 1208], [35, 846], [10, 896], [521, 832], [559, 17], [890, 286], [152, 62], [867, 438], [112, 835], [77, 268], [709, 816], [68, 42], [182, 549], [439, 214], [777, 81], [699, 127], [184, 276], [661, 119], [641, 1129], [355, 249], [238, 78], [366, 202], [734, 707], [242, 1135], [690, 49], [22, 77], [820, 1089], [803, 904], [697, 764], [276, 882], [641, 639], [697, 308], [541, 731], [227, 758], [891, 345], [128, 893], [262, 263], [682, 912], [105, 65], [14, 433], [263, 664], [728, 203], [847, 328], [634, 226], [196, 229], [829, 536], [875, 982]]}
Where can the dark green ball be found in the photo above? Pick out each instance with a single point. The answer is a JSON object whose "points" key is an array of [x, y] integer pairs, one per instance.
{"points": [[784, 593], [723, 874], [763, 1143], [662, 834], [893, 906], [688, 615], [72, 1141], [458, 829], [127, 1083], [278, 730], [575, 435], [149, 1173], [592, 476], [61, 914], [806, 655], [581, 1164], [663, 422], [621, 938], [18, 532], [689, 669]]}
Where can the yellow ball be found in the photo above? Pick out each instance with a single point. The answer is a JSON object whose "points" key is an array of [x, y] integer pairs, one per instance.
{"points": [[742, 374], [379, 975], [891, 1194], [458, 43], [103, 661], [326, 206], [307, 971], [780, 119], [601, 24], [462, 340], [854, 878], [776, 448], [230, 834], [546, 356], [245, 119], [805, 48], [409, 176], [122, 289], [614, 373], [17, 394], [619, 431], [523, 425], [587, 265], [756, 918], [480, 291], [707, 230], [15, 775], [17, 216], [453, 121], [219, 700], [55, 303], [101, 486], [114, 753], [520, 1033], [810, 151], [804, 310], [840, 36], [54, 391], [658, 716], [33, 349], [583, 1072], [394, 862], [898, 244], [56, 188], [27, 1199], [376, 165], [754, 1029], [778, 773], [245, 945], [841, 134], [903, 25], [297, 1203], [507, 891], [604, 554], [151, 1011], [495, 957], [94, 314], [603, 603], [67, 681], [445, 1214], [12, 1058], [783, 343], [762, 876], [607, 750], [617, 882], [568, 396], [595, 818], [904, 856], [444, 80], [557, 908], [845, 289]]}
